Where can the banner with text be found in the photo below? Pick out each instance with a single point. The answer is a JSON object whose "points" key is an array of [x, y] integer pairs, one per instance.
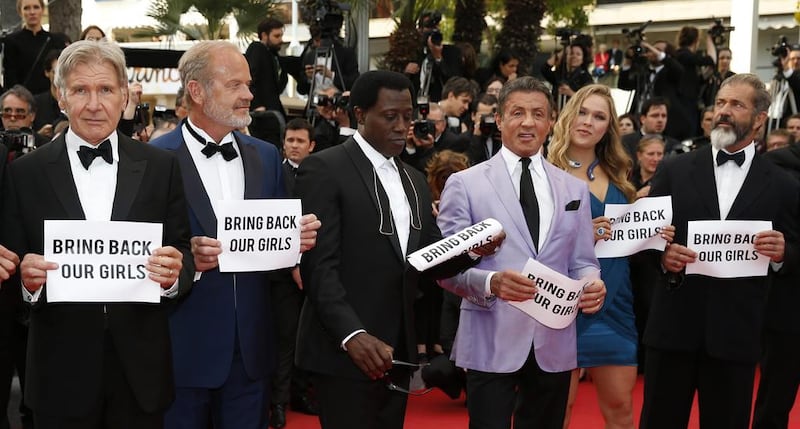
{"points": [[463, 241], [555, 304], [258, 235], [101, 261], [635, 227], [725, 248]]}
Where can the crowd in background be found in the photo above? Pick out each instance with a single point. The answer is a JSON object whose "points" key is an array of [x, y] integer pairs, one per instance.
{"points": [[458, 124]]}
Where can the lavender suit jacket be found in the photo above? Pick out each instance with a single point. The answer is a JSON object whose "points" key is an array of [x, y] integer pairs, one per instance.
{"points": [[494, 336]]}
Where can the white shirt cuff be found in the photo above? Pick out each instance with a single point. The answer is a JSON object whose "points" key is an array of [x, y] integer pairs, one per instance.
{"points": [[487, 286], [347, 338], [28, 297], [172, 292], [776, 266]]}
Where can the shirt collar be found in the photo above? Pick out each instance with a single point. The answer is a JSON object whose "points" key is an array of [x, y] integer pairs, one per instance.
{"points": [[74, 142], [227, 138], [375, 158], [512, 160]]}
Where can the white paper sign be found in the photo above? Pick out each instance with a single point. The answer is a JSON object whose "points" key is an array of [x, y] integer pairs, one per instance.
{"points": [[725, 248], [556, 302], [258, 235], [636, 227], [463, 241], [101, 261]]}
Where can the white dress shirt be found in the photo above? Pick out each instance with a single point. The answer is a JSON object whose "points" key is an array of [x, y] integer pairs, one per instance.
{"points": [[222, 180], [730, 177]]}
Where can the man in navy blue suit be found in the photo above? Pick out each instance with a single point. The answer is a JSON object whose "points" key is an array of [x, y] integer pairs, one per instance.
{"points": [[222, 333]]}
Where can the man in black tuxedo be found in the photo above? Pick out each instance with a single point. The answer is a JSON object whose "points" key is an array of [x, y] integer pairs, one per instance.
{"points": [[97, 364], [269, 78], [358, 313], [704, 334]]}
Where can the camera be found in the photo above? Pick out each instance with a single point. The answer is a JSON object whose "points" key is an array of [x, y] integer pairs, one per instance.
{"points": [[423, 128], [488, 126], [141, 118], [718, 32], [565, 34], [338, 101], [636, 37], [19, 140], [329, 15], [429, 23], [780, 49]]}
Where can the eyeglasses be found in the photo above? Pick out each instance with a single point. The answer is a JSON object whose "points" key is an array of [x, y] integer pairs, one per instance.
{"points": [[416, 379], [15, 114]]}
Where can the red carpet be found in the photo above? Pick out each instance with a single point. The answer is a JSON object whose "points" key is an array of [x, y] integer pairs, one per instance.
{"points": [[436, 411]]}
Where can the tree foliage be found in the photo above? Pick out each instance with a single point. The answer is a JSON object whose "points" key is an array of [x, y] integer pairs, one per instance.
{"points": [[521, 30], [469, 22], [247, 13]]}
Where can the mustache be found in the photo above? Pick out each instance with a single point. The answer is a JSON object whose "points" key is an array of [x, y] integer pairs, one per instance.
{"points": [[723, 119]]}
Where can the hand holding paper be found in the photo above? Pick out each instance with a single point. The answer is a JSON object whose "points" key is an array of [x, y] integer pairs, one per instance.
{"points": [[309, 224], [771, 244], [593, 297], [33, 270], [676, 256], [8, 263], [512, 286], [164, 266], [206, 252]]}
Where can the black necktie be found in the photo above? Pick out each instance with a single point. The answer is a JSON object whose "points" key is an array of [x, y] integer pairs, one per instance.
{"points": [[530, 205], [227, 150], [87, 154], [723, 157]]}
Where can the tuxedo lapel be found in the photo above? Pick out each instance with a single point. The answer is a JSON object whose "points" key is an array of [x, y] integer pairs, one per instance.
{"points": [[757, 179], [59, 173], [196, 195], [376, 193], [497, 175], [413, 201], [129, 176], [253, 170], [704, 181]]}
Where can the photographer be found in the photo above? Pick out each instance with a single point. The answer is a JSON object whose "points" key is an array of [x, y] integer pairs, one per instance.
{"points": [[332, 121], [568, 76], [438, 62], [19, 111], [692, 78], [785, 87], [430, 135], [340, 65], [485, 135], [653, 71]]}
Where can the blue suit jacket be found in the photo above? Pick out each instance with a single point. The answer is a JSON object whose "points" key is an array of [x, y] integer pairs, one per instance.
{"points": [[492, 335], [206, 323]]}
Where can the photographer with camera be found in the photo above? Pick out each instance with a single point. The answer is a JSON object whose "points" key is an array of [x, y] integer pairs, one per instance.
{"points": [[263, 57], [438, 62], [785, 86], [692, 79], [485, 134], [326, 60], [332, 121], [567, 75], [653, 71], [429, 135], [19, 111]]}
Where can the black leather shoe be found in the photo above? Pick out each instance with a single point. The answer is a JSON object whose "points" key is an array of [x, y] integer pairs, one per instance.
{"points": [[277, 416], [304, 404]]}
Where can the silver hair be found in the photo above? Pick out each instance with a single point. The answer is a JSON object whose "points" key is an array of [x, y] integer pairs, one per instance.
{"points": [[195, 64], [90, 52]]}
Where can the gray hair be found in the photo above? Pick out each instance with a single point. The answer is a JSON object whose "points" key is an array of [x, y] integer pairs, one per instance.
{"points": [[195, 64], [23, 94], [523, 84], [89, 52], [761, 99]]}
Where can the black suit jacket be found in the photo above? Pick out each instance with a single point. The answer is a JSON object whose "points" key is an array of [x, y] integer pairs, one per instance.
{"points": [[722, 316], [451, 65], [447, 141], [268, 82], [356, 277], [66, 340]]}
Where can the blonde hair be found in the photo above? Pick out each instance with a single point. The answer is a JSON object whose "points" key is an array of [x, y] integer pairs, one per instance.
{"points": [[613, 158]]}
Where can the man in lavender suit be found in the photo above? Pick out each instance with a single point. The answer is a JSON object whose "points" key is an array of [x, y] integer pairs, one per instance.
{"points": [[517, 366]]}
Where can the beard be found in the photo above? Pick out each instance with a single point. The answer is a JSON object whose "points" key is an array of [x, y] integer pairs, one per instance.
{"points": [[722, 138], [224, 116]]}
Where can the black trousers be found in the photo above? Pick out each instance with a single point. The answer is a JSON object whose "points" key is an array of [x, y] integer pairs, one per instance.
{"points": [[13, 345], [671, 378], [361, 404], [116, 408], [536, 399], [780, 377], [287, 301]]}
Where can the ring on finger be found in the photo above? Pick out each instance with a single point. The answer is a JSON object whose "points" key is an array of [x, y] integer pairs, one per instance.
{"points": [[600, 231]]}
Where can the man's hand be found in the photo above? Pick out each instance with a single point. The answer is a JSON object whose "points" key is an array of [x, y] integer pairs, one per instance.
{"points": [[134, 98], [165, 266], [371, 355], [492, 247], [8, 263], [411, 139], [675, 257], [46, 130], [309, 224], [411, 68], [33, 270], [512, 286], [434, 49], [296, 277], [593, 297], [771, 244], [206, 251]]}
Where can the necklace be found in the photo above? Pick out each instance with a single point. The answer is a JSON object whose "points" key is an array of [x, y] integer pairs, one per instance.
{"points": [[589, 171]]}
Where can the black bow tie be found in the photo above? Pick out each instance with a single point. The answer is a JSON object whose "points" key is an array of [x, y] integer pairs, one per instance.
{"points": [[87, 154], [723, 157], [227, 150]]}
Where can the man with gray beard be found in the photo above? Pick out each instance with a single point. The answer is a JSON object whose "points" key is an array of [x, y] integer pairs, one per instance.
{"points": [[222, 334], [704, 334]]}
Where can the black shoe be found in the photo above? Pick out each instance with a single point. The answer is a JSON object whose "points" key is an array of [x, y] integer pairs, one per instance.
{"points": [[304, 404], [277, 416]]}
